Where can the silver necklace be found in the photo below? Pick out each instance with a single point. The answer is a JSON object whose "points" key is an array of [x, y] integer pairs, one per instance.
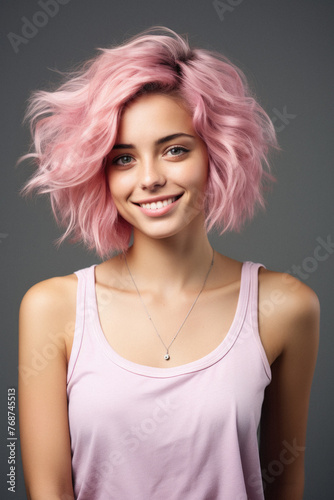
{"points": [[167, 355]]}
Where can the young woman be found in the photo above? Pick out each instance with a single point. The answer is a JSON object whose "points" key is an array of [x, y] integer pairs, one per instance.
{"points": [[148, 376]]}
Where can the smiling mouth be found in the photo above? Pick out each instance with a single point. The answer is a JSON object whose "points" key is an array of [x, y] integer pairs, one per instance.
{"points": [[155, 205]]}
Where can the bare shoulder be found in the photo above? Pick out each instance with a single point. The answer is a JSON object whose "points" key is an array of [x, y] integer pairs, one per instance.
{"points": [[288, 311], [289, 329], [291, 296], [46, 312], [50, 304], [51, 295]]}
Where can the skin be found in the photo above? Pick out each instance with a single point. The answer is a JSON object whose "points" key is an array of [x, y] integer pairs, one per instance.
{"points": [[169, 260]]}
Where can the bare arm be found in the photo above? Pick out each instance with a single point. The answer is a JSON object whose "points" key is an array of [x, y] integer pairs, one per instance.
{"points": [[44, 431], [293, 327]]}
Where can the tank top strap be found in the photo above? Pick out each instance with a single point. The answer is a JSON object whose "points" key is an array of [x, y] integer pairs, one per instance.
{"points": [[252, 312], [251, 278], [83, 308]]}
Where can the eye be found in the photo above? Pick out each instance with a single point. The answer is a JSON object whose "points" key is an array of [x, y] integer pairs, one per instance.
{"points": [[177, 151], [122, 161]]}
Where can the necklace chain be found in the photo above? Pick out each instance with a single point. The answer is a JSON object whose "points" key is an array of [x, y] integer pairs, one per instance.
{"points": [[167, 356]]}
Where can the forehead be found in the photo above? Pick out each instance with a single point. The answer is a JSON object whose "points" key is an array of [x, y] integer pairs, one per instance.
{"points": [[155, 114]]}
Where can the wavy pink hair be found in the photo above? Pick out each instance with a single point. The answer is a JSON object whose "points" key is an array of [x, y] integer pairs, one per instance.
{"points": [[75, 127]]}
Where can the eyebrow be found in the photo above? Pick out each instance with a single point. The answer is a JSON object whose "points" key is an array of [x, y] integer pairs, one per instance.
{"points": [[157, 143]]}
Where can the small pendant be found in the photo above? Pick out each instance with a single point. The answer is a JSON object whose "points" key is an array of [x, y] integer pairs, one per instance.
{"points": [[167, 357]]}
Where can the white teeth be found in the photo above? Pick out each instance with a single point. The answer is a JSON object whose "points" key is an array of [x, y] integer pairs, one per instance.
{"points": [[158, 204]]}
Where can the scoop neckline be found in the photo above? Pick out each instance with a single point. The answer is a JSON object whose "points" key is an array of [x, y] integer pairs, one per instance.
{"points": [[199, 364]]}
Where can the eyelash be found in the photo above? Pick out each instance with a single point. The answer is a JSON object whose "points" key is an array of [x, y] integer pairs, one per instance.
{"points": [[181, 148], [115, 160]]}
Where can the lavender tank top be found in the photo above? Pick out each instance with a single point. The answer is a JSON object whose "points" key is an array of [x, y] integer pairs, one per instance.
{"points": [[181, 433]]}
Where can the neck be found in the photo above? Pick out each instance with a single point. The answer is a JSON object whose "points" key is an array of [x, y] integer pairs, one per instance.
{"points": [[169, 265]]}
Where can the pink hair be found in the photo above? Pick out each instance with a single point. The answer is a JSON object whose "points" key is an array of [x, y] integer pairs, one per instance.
{"points": [[75, 127]]}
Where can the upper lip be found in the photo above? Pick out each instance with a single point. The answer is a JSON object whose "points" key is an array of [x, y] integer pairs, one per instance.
{"points": [[157, 198]]}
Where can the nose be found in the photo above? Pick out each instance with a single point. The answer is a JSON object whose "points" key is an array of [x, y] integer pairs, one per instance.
{"points": [[151, 175]]}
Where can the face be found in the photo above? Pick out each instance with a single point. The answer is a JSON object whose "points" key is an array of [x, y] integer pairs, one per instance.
{"points": [[158, 168]]}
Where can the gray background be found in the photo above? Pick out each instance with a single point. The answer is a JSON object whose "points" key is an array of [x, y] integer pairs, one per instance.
{"points": [[284, 48]]}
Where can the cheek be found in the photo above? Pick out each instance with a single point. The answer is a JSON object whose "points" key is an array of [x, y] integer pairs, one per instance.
{"points": [[197, 185], [202, 180], [119, 186], [200, 175]]}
